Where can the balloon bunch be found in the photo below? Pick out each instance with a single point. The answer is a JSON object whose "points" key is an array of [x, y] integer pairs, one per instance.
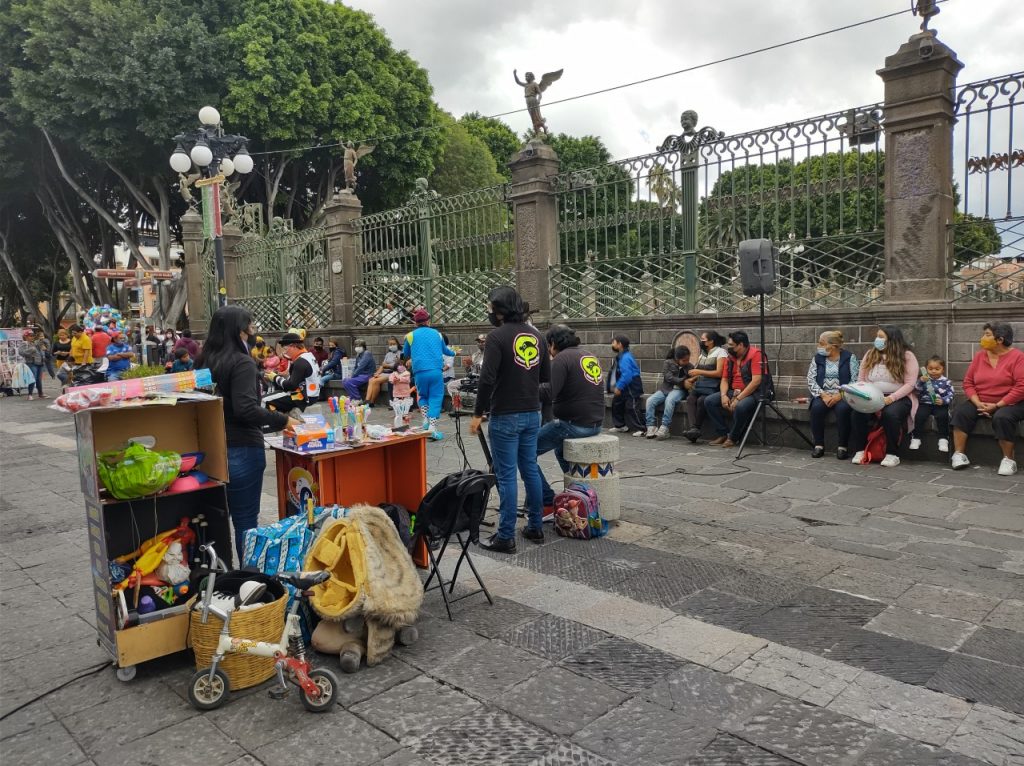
{"points": [[102, 316]]}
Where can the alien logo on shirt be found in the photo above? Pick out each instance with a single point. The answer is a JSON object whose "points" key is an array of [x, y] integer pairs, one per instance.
{"points": [[592, 369], [526, 351]]}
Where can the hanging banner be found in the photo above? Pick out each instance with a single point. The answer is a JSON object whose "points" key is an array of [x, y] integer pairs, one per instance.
{"points": [[218, 231], [208, 212]]}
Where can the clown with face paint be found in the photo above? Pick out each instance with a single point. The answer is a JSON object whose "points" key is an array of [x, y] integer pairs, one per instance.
{"points": [[516, 363]]}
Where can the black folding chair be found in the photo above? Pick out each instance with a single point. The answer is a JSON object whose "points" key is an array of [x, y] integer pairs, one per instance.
{"points": [[454, 508]]}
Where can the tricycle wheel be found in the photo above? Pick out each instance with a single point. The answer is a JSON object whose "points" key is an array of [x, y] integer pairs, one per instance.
{"points": [[328, 684], [207, 694], [126, 674]]}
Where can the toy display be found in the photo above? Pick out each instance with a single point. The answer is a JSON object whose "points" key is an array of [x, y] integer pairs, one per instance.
{"points": [[103, 316], [348, 419], [210, 687]]}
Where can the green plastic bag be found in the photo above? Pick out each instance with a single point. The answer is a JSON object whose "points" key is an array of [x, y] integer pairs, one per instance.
{"points": [[137, 471]]}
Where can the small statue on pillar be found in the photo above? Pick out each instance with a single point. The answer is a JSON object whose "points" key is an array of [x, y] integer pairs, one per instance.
{"points": [[352, 157], [690, 140], [925, 9], [185, 181], [533, 90]]}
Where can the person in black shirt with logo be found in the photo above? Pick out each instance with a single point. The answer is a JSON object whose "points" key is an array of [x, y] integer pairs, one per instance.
{"points": [[577, 397], [516, 362]]}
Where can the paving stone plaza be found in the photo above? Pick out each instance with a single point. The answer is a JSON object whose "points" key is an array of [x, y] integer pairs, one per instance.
{"points": [[774, 611]]}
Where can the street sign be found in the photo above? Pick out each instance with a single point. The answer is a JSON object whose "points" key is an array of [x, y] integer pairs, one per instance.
{"points": [[217, 179], [123, 274]]}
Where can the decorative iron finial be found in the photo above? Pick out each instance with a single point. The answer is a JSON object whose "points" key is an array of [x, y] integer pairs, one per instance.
{"points": [[925, 9], [422, 192], [691, 139]]}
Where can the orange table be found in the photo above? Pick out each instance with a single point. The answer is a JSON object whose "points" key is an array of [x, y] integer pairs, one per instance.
{"points": [[392, 471]]}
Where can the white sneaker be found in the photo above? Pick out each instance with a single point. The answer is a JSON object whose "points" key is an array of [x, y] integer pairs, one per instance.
{"points": [[943, 445], [651, 431], [959, 460], [662, 433], [639, 433], [890, 461], [915, 443], [618, 430], [1007, 467], [858, 458]]}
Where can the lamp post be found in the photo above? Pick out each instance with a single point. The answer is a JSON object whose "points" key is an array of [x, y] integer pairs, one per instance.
{"points": [[217, 155]]}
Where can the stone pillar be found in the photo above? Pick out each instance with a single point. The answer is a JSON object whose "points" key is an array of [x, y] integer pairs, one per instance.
{"points": [[231, 236], [192, 244], [536, 220], [343, 248], [592, 462], [919, 84]]}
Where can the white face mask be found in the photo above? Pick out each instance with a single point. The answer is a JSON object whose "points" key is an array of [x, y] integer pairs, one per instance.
{"points": [[392, 347], [360, 349]]}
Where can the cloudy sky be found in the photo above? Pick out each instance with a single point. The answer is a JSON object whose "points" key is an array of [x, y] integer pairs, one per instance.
{"points": [[470, 48]]}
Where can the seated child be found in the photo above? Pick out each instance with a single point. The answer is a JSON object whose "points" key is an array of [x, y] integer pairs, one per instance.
{"points": [[934, 394], [182, 361]]}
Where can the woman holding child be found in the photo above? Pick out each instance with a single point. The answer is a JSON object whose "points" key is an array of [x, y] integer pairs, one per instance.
{"points": [[893, 368], [994, 385], [832, 367]]}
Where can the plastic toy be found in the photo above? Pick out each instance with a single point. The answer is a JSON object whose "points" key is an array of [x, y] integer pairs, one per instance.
{"points": [[209, 687], [150, 554], [863, 397]]}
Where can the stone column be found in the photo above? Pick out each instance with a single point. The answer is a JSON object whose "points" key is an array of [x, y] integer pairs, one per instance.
{"points": [[343, 248], [536, 220], [232, 236], [192, 244], [919, 84]]}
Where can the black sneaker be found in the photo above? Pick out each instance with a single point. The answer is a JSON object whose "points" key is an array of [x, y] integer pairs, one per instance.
{"points": [[692, 434], [818, 452], [499, 545], [534, 535], [842, 454]]}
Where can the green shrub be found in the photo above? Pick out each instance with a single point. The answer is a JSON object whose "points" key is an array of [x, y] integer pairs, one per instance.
{"points": [[143, 371]]}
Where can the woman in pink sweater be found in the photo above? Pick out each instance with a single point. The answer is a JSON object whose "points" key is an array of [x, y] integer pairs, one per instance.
{"points": [[891, 366], [994, 385]]}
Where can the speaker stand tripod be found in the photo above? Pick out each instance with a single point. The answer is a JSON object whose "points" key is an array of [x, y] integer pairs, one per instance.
{"points": [[765, 398]]}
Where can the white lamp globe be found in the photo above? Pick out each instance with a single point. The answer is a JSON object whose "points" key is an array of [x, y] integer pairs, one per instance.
{"points": [[180, 162], [227, 167], [243, 162], [209, 116], [201, 155]]}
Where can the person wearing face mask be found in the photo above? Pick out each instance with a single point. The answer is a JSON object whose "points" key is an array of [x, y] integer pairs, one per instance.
{"points": [[516, 363], [738, 389], [319, 352], [994, 385], [362, 370], [831, 367], [472, 365], [383, 373], [260, 351], [302, 370], [425, 349], [893, 368], [625, 383], [703, 380], [331, 369]]}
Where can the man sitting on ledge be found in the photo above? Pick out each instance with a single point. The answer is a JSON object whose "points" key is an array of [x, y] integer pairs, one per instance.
{"points": [[741, 381]]}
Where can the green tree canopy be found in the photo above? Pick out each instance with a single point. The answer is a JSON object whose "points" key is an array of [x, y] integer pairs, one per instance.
{"points": [[465, 162], [500, 139]]}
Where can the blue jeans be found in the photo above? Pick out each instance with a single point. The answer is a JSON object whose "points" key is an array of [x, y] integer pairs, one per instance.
{"points": [[670, 401], [245, 469], [740, 417], [514, 442], [37, 373], [115, 374], [550, 438], [327, 376]]}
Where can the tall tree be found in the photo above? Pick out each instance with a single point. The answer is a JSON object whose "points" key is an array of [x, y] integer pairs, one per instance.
{"points": [[465, 162], [501, 140]]}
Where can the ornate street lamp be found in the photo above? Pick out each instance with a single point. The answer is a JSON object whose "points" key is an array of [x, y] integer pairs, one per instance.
{"points": [[217, 155]]}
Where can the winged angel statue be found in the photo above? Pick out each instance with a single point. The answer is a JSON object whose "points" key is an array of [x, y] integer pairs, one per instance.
{"points": [[532, 90], [352, 157]]}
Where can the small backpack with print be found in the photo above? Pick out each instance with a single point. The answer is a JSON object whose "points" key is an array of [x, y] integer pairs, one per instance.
{"points": [[578, 513]]}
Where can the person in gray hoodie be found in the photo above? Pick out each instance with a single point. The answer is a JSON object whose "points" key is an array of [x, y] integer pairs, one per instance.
{"points": [[669, 393]]}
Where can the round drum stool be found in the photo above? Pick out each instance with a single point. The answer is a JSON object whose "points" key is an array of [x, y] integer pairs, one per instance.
{"points": [[592, 462]]}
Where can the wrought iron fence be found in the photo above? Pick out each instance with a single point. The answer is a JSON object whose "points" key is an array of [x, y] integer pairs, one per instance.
{"points": [[282, 278], [658, 234], [987, 235], [442, 253]]}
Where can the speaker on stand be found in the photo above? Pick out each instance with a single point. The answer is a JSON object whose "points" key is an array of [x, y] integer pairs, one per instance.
{"points": [[757, 277]]}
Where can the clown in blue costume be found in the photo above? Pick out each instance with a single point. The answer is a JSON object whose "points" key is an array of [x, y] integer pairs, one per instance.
{"points": [[425, 347]]}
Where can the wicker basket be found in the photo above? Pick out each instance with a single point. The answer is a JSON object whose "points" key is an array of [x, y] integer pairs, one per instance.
{"points": [[243, 670]]}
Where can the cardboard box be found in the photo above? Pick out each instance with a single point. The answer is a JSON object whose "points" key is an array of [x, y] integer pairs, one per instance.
{"points": [[314, 435]]}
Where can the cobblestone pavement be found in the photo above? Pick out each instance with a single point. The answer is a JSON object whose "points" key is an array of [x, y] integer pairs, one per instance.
{"points": [[781, 610]]}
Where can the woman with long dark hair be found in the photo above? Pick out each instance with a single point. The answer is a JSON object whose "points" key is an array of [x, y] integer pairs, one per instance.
{"points": [[893, 368], [236, 375]]}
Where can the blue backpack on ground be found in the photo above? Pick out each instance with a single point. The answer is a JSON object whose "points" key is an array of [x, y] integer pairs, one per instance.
{"points": [[578, 513]]}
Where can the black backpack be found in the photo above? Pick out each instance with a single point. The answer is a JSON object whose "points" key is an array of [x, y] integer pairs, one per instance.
{"points": [[434, 517]]}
